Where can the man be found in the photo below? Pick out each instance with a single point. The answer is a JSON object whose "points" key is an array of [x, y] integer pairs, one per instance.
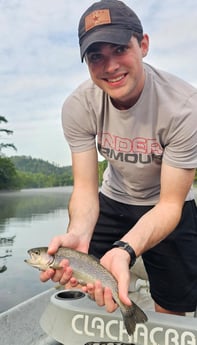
{"points": [[143, 122]]}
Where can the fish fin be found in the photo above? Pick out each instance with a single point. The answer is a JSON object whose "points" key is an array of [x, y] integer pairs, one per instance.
{"points": [[131, 316]]}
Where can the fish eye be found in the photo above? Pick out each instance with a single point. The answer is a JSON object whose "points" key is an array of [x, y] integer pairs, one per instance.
{"points": [[37, 251]]}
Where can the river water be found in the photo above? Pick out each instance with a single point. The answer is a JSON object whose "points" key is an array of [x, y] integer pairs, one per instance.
{"points": [[28, 218]]}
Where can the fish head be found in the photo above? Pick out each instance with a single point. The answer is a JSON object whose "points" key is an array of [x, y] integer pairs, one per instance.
{"points": [[39, 258]]}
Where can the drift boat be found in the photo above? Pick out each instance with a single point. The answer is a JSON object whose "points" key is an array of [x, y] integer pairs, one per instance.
{"points": [[70, 317]]}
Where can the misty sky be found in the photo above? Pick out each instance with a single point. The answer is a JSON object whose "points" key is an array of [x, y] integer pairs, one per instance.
{"points": [[40, 63]]}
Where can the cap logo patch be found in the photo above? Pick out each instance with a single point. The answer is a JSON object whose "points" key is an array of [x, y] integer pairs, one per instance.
{"points": [[95, 18]]}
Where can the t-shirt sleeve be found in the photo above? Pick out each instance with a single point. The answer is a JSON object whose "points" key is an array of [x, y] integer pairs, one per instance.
{"points": [[181, 149], [79, 122]]}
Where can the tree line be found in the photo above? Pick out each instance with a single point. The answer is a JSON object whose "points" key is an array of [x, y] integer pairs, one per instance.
{"points": [[25, 172], [37, 173], [21, 172]]}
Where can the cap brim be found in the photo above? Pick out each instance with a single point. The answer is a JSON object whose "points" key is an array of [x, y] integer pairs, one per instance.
{"points": [[105, 35]]}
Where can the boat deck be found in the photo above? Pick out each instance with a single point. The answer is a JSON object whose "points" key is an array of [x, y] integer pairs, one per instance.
{"points": [[20, 325]]}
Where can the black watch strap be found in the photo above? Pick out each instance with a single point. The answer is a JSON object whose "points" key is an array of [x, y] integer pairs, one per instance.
{"points": [[128, 248]]}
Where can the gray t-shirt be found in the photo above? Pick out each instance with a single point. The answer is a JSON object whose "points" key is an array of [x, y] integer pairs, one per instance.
{"points": [[161, 126]]}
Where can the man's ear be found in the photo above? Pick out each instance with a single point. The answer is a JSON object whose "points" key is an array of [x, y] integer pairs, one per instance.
{"points": [[145, 45]]}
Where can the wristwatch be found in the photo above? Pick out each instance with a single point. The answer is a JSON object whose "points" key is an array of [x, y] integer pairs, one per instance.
{"points": [[128, 248]]}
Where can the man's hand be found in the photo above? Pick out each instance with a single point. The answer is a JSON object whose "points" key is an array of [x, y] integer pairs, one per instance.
{"points": [[62, 275], [116, 261]]}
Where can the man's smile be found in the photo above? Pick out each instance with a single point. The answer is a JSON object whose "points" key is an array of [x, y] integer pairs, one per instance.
{"points": [[114, 80]]}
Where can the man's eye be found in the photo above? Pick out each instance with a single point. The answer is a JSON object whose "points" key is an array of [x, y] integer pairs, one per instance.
{"points": [[94, 58], [121, 49]]}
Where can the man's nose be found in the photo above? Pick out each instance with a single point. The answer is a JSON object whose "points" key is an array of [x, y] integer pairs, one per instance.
{"points": [[111, 64]]}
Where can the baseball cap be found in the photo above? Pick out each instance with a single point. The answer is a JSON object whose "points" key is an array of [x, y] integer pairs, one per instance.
{"points": [[109, 21]]}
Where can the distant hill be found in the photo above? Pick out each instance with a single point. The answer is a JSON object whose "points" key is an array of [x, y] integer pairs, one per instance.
{"points": [[37, 173], [34, 165]]}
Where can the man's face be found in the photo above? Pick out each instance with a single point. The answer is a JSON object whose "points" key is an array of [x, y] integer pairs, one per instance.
{"points": [[118, 70]]}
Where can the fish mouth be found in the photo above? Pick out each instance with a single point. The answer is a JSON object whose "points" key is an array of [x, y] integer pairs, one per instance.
{"points": [[32, 263]]}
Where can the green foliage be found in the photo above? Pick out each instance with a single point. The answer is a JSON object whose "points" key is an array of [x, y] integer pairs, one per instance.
{"points": [[8, 132], [37, 173], [34, 165], [19, 172], [39, 180], [195, 179], [8, 176], [101, 168]]}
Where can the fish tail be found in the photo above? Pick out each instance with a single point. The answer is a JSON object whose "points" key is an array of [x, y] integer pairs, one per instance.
{"points": [[131, 316]]}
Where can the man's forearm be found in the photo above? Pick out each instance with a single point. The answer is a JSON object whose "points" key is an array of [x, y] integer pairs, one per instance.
{"points": [[153, 227], [162, 219], [83, 214]]}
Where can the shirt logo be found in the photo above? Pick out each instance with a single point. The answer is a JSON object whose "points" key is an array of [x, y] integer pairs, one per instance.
{"points": [[95, 18]]}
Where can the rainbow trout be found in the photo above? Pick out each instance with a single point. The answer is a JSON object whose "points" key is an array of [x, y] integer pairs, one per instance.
{"points": [[87, 269]]}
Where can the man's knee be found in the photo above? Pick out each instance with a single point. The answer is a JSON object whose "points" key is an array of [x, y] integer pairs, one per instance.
{"points": [[160, 309]]}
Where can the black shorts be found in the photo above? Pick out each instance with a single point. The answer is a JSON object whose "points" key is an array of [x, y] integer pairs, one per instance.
{"points": [[171, 265]]}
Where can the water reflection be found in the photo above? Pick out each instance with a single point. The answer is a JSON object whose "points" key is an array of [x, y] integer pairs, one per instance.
{"points": [[27, 219], [28, 203], [3, 260], [5, 242]]}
